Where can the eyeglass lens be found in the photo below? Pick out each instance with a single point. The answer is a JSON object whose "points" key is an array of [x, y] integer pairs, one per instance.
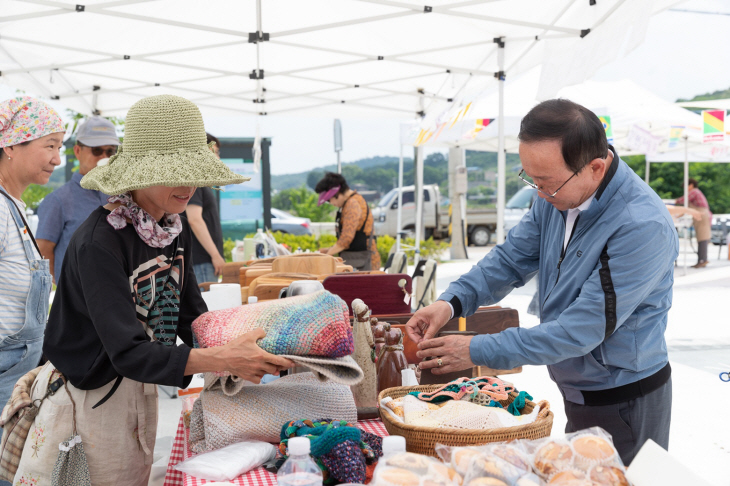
{"points": [[97, 151]]}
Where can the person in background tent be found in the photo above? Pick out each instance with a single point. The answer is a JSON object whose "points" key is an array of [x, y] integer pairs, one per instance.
{"points": [[703, 225], [354, 224], [63, 210], [205, 221]]}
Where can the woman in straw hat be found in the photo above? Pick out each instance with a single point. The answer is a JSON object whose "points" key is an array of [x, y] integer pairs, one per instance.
{"points": [[126, 293], [31, 134]]}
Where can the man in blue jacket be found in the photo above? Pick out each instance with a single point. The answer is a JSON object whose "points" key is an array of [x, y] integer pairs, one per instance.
{"points": [[605, 247]]}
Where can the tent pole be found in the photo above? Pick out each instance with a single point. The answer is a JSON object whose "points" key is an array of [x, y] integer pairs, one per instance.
{"points": [[686, 170], [501, 156], [646, 172], [399, 221], [419, 200]]}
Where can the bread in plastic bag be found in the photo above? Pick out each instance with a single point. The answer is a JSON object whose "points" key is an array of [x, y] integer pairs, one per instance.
{"points": [[409, 469], [229, 462]]}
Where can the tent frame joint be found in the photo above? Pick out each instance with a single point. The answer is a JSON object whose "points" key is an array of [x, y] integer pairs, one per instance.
{"points": [[584, 32], [499, 41], [256, 37], [256, 74], [427, 9], [80, 8]]}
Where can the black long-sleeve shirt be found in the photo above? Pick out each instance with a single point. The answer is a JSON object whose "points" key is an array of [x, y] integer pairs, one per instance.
{"points": [[119, 306]]}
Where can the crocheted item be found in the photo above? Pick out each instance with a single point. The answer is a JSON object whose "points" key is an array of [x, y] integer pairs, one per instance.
{"points": [[460, 414], [495, 388], [146, 226], [312, 329], [23, 119], [341, 450], [257, 412], [164, 145]]}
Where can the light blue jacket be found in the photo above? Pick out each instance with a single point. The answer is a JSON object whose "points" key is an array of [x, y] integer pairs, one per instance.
{"points": [[603, 304]]}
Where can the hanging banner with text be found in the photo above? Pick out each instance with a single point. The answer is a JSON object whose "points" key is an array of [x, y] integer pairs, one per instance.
{"points": [[713, 122], [642, 141]]}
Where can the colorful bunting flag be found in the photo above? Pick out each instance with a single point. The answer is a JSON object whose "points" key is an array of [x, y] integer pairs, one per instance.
{"points": [[606, 120], [713, 126], [484, 122]]}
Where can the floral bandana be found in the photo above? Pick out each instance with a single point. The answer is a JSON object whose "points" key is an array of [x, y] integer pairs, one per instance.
{"points": [[146, 226], [23, 119]]}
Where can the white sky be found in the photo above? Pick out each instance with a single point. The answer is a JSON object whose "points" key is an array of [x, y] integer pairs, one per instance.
{"points": [[684, 54]]}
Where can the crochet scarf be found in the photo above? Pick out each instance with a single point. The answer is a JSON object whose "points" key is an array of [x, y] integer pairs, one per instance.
{"points": [[344, 453], [152, 233]]}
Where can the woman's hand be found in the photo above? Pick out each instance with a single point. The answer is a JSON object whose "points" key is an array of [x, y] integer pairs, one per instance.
{"points": [[241, 357], [245, 359]]}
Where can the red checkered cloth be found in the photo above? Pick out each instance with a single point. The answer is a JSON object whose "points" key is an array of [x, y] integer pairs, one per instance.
{"points": [[257, 477]]}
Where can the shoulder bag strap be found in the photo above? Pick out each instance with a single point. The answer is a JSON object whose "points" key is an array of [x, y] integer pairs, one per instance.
{"points": [[27, 228]]}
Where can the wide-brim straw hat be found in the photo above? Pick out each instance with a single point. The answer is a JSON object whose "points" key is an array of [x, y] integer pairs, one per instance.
{"points": [[164, 145]]}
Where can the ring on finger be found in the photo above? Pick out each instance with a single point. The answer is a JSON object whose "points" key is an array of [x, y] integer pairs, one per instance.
{"points": [[439, 362]]}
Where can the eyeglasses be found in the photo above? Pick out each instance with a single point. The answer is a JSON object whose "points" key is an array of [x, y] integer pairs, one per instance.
{"points": [[534, 186], [98, 151]]}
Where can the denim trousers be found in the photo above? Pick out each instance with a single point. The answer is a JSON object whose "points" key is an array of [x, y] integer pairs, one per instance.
{"points": [[205, 272]]}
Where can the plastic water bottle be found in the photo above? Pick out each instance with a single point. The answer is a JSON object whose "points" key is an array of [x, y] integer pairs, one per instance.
{"points": [[393, 444], [299, 469]]}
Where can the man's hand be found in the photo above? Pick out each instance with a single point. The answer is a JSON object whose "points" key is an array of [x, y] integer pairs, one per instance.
{"points": [[453, 351], [218, 263], [427, 322]]}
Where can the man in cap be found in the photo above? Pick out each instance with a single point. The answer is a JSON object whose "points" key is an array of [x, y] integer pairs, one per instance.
{"points": [[62, 211]]}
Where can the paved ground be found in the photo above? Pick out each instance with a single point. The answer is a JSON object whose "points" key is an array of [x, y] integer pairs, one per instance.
{"points": [[698, 339]]}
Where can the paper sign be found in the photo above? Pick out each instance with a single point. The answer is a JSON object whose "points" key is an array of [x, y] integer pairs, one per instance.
{"points": [[713, 129], [675, 133], [642, 141]]}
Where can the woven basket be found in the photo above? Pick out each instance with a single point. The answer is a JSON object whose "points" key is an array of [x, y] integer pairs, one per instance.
{"points": [[422, 440]]}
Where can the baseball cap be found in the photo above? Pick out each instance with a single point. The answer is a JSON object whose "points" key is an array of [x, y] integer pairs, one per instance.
{"points": [[97, 131]]}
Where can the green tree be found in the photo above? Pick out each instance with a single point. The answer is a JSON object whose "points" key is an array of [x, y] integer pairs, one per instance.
{"points": [[667, 180], [303, 203], [34, 194]]}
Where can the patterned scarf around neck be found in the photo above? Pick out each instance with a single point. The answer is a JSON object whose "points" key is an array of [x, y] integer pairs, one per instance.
{"points": [[153, 234]]}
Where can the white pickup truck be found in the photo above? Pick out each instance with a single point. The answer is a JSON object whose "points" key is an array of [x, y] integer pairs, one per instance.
{"points": [[481, 223]]}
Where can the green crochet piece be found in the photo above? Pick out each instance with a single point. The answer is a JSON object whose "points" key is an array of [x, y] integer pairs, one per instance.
{"points": [[519, 403]]}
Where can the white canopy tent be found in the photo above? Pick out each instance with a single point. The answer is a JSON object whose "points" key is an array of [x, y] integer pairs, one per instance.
{"points": [[330, 58], [641, 122], [721, 104]]}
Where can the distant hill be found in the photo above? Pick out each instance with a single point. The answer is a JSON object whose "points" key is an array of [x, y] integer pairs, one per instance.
{"points": [[288, 181], [717, 95]]}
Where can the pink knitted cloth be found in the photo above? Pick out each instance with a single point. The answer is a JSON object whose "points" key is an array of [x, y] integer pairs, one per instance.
{"points": [[307, 325]]}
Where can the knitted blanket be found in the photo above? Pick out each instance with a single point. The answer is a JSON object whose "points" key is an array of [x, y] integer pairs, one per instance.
{"points": [[258, 412], [313, 330]]}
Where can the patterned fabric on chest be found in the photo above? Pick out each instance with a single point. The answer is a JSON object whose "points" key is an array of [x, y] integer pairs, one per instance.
{"points": [[156, 287]]}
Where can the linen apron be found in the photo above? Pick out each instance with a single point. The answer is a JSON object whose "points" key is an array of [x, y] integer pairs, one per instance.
{"points": [[118, 436], [21, 352], [703, 227]]}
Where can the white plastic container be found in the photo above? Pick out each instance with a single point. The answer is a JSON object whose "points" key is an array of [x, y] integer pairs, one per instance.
{"points": [[393, 444], [299, 469], [262, 246]]}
